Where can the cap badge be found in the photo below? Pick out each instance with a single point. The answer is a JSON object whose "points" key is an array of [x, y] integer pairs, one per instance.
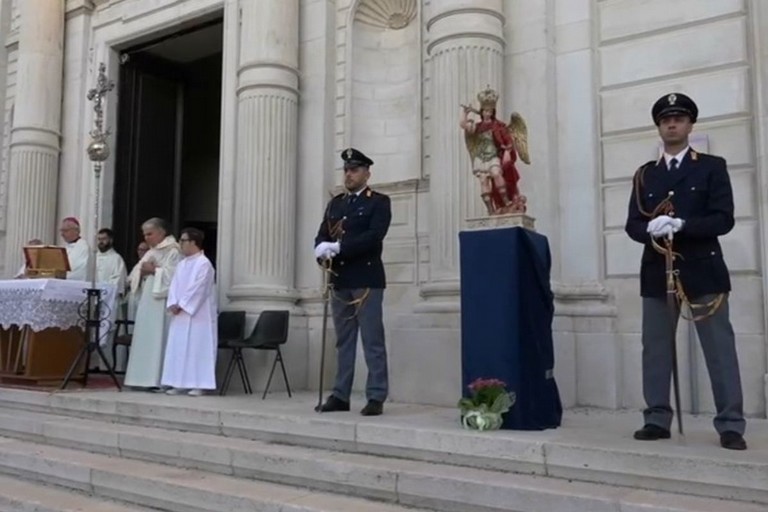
{"points": [[672, 99], [349, 153]]}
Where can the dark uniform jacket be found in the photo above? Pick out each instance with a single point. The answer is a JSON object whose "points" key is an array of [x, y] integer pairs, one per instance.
{"points": [[364, 223], [703, 198]]}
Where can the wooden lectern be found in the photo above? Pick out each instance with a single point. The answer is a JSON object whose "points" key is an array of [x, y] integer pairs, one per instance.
{"points": [[46, 261]]}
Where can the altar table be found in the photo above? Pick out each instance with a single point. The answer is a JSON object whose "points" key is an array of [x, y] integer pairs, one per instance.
{"points": [[41, 331]]}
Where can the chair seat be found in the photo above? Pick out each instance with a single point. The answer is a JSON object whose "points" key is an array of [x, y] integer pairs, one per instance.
{"points": [[245, 344]]}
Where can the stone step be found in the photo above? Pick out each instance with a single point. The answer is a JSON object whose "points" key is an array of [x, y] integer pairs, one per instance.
{"points": [[592, 446], [23, 496], [406, 482], [167, 488]]}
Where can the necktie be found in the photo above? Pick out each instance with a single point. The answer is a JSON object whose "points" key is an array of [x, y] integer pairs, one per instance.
{"points": [[673, 165], [351, 198]]}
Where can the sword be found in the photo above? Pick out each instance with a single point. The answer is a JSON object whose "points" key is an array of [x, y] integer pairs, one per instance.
{"points": [[326, 300], [673, 312]]}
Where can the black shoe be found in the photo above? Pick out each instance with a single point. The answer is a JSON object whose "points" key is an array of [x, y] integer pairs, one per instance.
{"points": [[373, 408], [651, 433], [333, 404], [731, 440]]}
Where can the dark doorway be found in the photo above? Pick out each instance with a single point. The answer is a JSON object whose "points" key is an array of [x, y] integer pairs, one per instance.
{"points": [[167, 155]]}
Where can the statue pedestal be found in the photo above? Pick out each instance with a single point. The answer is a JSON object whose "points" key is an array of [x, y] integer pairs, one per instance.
{"points": [[507, 310], [507, 220]]}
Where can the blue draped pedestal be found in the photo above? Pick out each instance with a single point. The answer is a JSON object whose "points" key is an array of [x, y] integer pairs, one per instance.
{"points": [[507, 308]]}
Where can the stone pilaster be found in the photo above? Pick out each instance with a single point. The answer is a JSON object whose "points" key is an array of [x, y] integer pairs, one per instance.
{"points": [[465, 45], [76, 176], [265, 175], [35, 144]]}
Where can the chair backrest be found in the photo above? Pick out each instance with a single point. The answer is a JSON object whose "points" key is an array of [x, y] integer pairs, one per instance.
{"points": [[231, 326], [270, 330]]}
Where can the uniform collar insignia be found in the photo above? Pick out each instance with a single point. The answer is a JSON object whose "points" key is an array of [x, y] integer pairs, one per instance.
{"points": [[694, 155]]}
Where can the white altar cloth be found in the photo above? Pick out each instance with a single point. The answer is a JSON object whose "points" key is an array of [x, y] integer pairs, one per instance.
{"points": [[46, 303]]}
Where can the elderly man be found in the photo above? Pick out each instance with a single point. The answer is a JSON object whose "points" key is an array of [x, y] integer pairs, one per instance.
{"points": [[157, 268], [78, 251], [23, 270]]}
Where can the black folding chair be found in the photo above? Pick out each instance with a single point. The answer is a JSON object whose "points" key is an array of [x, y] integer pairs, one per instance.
{"points": [[270, 332], [122, 340], [231, 330]]}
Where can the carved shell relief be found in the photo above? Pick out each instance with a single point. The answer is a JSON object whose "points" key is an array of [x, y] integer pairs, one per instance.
{"points": [[393, 14]]}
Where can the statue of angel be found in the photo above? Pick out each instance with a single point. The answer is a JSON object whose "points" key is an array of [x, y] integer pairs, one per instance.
{"points": [[494, 148]]}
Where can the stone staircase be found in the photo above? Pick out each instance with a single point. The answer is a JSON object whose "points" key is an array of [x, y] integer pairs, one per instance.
{"points": [[79, 450]]}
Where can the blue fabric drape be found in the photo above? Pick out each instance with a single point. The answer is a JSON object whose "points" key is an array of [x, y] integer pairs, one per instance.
{"points": [[507, 309]]}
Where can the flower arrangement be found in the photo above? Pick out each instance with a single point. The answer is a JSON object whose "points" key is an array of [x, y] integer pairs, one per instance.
{"points": [[489, 400]]}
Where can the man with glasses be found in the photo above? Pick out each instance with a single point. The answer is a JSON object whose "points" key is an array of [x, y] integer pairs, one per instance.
{"points": [[349, 244], [190, 355]]}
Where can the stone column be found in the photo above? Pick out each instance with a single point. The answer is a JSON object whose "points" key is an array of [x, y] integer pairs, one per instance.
{"points": [[465, 46], [35, 135], [265, 175]]}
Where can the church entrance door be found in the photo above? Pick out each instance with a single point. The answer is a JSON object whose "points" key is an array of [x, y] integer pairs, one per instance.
{"points": [[167, 155]]}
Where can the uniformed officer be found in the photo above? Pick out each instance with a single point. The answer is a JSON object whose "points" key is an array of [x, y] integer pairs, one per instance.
{"points": [[350, 236], [699, 200]]}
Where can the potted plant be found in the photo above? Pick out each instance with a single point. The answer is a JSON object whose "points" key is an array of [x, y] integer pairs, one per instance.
{"points": [[489, 401]]}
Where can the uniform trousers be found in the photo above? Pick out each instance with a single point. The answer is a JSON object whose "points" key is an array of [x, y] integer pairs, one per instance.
{"points": [[367, 320], [719, 348]]}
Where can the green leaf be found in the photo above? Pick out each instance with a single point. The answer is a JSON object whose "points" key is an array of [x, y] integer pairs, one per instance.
{"points": [[466, 403], [502, 403]]}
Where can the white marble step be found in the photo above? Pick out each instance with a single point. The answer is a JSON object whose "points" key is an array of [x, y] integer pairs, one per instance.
{"points": [[592, 446], [407, 482], [167, 488], [23, 496]]}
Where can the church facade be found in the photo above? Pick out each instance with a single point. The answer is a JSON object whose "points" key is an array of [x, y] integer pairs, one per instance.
{"points": [[301, 80]]}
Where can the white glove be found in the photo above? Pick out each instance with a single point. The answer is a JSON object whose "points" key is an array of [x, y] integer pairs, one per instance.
{"points": [[665, 231], [327, 250], [321, 249], [659, 222], [657, 227]]}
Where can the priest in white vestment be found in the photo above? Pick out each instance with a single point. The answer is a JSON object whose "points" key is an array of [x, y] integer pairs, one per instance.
{"points": [[190, 356], [110, 269], [110, 266], [157, 267], [78, 251]]}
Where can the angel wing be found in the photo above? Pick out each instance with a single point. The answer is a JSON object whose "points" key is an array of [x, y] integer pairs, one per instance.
{"points": [[519, 131], [473, 142]]}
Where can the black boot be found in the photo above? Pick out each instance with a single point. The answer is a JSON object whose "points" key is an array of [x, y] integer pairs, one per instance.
{"points": [[373, 408], [652, 433], [334, 404]]}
